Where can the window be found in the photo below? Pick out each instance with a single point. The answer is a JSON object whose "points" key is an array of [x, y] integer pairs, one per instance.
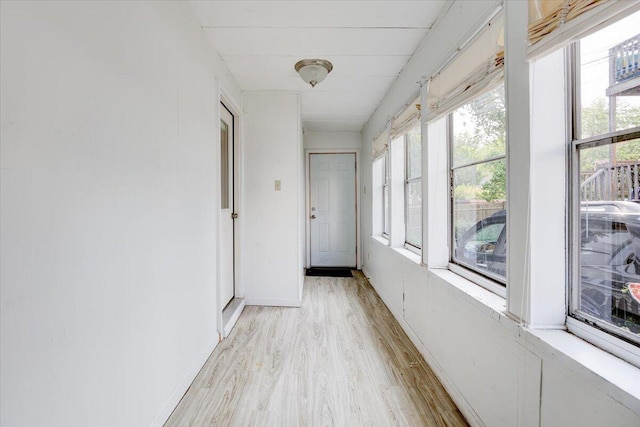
{"points": [[413, 188], [605, 245], [479, 185], [385, 195], [380, 196]]}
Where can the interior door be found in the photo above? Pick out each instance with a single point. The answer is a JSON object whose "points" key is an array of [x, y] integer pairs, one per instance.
{"points": [[227, 215], [332, 194]]}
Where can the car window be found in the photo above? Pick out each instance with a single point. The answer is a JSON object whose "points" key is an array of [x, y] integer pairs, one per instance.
{"points": [[489, 233], [482, 246], [603, 242]]}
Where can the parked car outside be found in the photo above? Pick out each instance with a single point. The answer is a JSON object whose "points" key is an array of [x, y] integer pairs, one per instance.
{"points": [[609, 258]]}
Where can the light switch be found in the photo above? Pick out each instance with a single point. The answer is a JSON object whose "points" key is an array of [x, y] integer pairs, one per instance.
{"points": [[278, 185]]}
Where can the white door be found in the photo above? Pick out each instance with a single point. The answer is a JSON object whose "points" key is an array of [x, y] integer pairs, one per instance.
{"points": [[226, 205], [333, 210]]}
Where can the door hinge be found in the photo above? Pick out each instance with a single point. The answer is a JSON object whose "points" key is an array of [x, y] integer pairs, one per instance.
{"points": [[234, 215]]}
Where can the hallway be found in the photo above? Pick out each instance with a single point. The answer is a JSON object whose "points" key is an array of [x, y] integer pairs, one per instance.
{"points": [[341, 359]]}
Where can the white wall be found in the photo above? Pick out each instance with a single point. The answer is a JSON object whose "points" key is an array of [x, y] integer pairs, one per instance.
{"points": [[332, 140], [498, 371], [272, 242], [109, 205]]}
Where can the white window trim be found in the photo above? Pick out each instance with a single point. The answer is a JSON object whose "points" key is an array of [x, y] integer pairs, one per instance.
{"points": [[479, 279], [604, 340], [410, 254]]}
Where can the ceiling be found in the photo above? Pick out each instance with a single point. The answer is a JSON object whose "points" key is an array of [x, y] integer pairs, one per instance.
{"points": [[368, 42]]}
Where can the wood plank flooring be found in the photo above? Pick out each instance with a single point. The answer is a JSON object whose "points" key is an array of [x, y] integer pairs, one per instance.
{"points": [[339, 360]]}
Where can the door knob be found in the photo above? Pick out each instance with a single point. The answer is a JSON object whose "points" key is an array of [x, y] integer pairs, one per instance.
{"points": [[313, 217]]}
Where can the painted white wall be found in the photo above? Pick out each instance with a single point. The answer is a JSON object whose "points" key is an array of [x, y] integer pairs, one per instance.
{"points": [[272, 151], [499, 372], [109, 204], [332, 140]]}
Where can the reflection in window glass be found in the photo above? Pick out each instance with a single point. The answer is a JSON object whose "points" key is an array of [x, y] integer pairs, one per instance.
{"points": [[414, 161], [479, 185], [479, 216], [385, 196], [414, 214], [609, 98], [609, 255], [413, 188]]}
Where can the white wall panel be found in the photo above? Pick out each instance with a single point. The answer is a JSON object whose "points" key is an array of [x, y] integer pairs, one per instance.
{"points": [[330, 140], [590, 408], [109, 207], [331, 125], [272, 151]]}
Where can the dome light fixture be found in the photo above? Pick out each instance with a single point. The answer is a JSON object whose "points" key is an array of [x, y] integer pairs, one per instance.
{"points": [[313, 71]]}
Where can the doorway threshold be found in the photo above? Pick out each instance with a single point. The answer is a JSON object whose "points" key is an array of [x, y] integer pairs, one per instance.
{"points": [[329, 271], [231, 314]]}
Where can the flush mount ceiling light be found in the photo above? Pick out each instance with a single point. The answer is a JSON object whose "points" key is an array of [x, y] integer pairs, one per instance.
{"points": [[313, 71]]}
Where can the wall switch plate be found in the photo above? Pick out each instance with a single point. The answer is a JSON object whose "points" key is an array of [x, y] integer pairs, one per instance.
{"points": [[278, 185]]}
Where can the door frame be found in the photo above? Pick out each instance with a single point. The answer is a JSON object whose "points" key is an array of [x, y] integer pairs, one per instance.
{"points": [[307, 154], [234, 108]]}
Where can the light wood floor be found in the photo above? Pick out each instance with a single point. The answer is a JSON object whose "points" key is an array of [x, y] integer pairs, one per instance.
{"points": [[339, 360]]}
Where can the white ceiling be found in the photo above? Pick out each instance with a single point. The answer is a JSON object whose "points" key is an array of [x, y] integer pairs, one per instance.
{"points": [[368, 42]]}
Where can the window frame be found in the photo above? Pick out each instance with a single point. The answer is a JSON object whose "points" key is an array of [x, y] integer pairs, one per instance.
{"points": [[386, 202], [610, 337], [483, 278], [407, 181]]}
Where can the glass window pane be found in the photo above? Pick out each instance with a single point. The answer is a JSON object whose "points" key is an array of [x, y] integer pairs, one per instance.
{"points": [[478, 129], [385, 196], [413, 234], [224, 165], [414, 162], [479, 217], [609, 257], [609, 95], [610, 172]]}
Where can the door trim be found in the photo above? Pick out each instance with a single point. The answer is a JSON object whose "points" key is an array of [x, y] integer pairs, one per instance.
{"points": [[307, 155], [235, 110]]}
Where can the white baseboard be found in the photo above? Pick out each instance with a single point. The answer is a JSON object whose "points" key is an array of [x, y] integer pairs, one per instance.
{"points": [[467, 410], [274, 302], [183, 386]]}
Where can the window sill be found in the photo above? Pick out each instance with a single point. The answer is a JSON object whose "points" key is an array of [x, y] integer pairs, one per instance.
{"points": [[479, 280], [411, 255], [483, 297], [604, 370], [604, 340], [381, 239]]}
